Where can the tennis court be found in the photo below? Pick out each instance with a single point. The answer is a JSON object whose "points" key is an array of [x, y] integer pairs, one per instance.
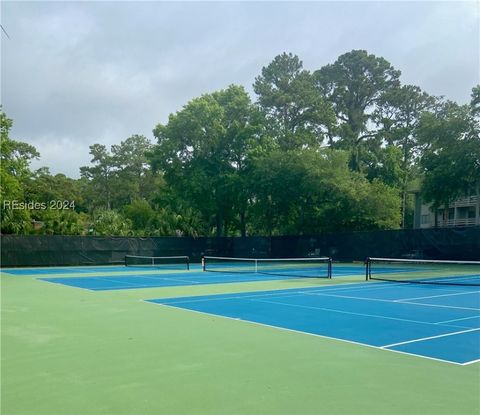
{"points": [[438, 323], [168, 273], [160, 279], [175, 274]]}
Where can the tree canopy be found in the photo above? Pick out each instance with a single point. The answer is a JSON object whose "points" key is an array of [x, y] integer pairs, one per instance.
{"points": [[338, 148]]}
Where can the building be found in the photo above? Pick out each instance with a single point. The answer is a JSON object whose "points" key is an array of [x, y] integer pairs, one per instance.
{"points": [[462, 212]]}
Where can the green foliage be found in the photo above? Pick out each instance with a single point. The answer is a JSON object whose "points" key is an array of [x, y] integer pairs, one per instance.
{"points": [[475, 102], [15, 157], [337, 149], [140, 214], [398, 113], [133, 178], [15, 221], [60, 222], [118, 176], [44, 187], [369, 205], [451, 158], [203, 153], [100, 176], [297, 113], [354, 84], [110, 222], [309, 192]]}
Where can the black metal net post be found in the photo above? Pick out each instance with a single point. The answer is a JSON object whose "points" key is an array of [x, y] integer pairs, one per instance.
{"points": [[367, 269]]}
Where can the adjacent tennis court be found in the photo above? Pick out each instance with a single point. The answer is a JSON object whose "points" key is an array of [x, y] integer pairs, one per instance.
{"points": [[148, 272]]}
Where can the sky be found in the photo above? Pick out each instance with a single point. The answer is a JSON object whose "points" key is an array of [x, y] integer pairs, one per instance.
{"points": [[78, 73]]}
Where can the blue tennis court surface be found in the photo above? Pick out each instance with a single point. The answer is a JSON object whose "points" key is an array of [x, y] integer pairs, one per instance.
{"points": [[435, 322], [125, 282], [132, 277], [102, 283], [82, 270], [122, 277]]}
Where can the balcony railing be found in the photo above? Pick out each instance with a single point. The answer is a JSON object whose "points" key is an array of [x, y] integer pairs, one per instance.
{"points": [[466, 201], [457, 222]]}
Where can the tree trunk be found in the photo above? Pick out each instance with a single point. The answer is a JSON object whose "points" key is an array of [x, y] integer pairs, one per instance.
{"points": [[219, 223], [243, 225]]}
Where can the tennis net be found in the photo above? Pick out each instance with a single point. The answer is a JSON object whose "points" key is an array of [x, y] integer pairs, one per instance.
{"points": [[166, 262], [423, 271], [289, 267]]}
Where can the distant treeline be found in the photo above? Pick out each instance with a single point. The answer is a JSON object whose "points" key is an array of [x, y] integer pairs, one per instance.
{"points": [[335, 149]]}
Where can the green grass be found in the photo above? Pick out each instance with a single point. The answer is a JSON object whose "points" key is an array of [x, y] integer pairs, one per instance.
{"points": [[72, 351]]}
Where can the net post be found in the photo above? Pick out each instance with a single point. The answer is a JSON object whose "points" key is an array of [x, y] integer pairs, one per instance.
{"points": [[329, 268], [188, 263], [367, 269], [203, 263]]}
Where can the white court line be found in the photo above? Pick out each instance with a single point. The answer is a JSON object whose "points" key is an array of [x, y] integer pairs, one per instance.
{"points": [[273, 293], [428, 338], [158, 278], [269, 293], [436, 296], [178, 279], [296, 291], [457, 319], [127, 285], [352, 313], [319, 294], [380, 285], [310, 334], [389, 301], [227, 296], [114, 281], [61, 283], [441, 306], [83, 288], [469, 363]]}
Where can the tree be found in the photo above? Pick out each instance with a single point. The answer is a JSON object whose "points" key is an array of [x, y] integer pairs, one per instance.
{"points": [[475, 101], [132, 170], [15, 157], [451, 159], [296, 111], [202, 152], [313, 191], [277, 183], [398, 113], [120, 175], [44, 187], [140, 214], [354, 84], [100, 176]]}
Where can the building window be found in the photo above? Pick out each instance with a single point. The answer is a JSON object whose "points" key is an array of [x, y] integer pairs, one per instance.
{"points": [[441, 214], [425, 219], [451, 213], [471, 212]]}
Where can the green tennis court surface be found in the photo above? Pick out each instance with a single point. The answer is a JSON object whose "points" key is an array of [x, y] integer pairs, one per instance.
{"points": [[73, 351]]}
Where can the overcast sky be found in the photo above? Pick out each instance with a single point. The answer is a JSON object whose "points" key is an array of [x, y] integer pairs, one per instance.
{"points": [[79, 73]]}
